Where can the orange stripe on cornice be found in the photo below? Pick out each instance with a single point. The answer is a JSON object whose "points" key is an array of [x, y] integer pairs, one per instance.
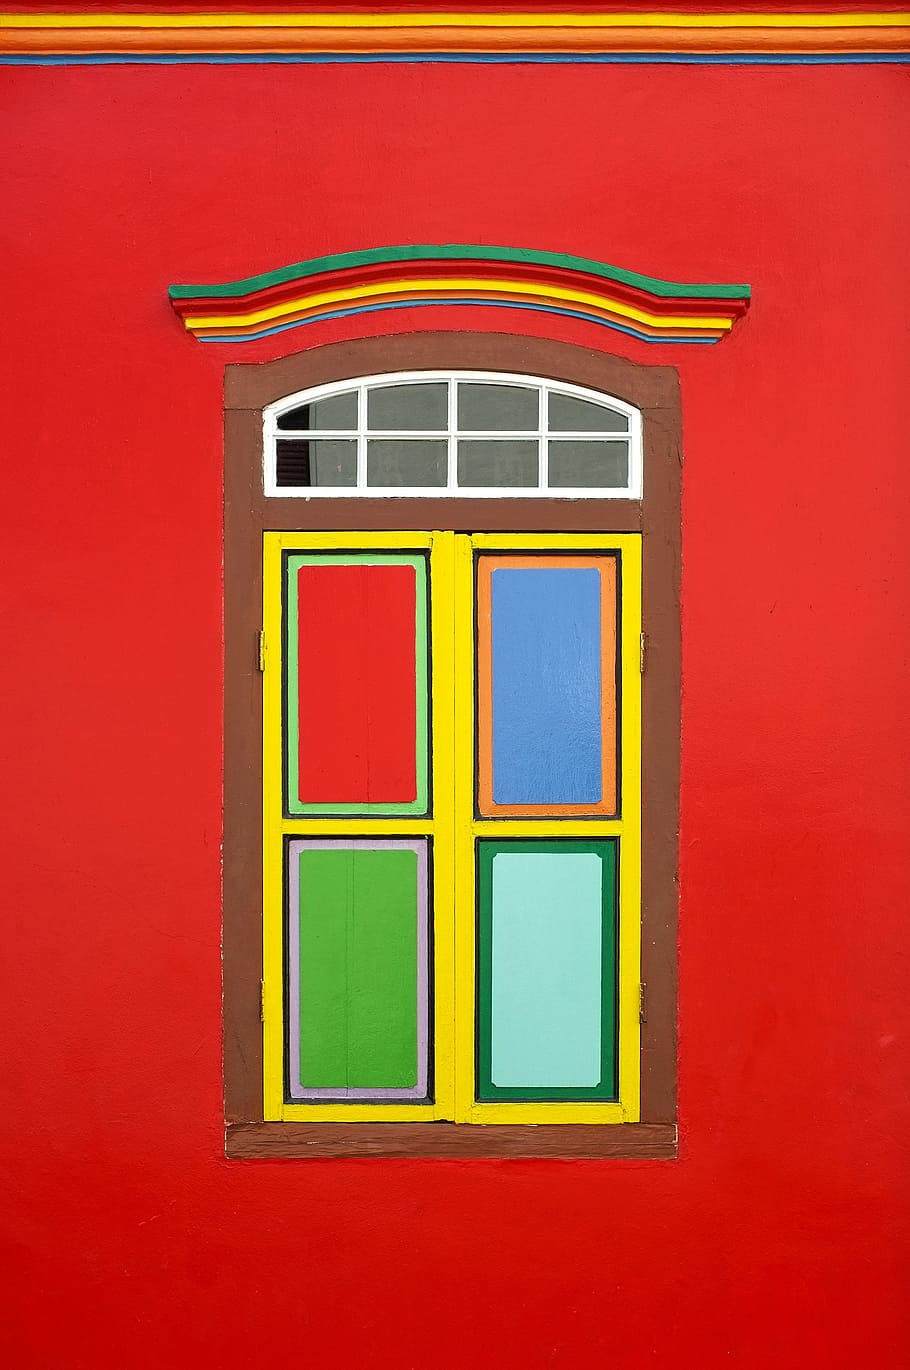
{"points": [[355, 40]]}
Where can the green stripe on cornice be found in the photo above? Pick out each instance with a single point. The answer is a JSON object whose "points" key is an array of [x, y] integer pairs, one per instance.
{"points": [[374, 256]]}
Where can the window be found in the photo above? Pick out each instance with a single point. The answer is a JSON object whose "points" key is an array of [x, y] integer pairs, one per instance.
{"points": [[451, 786], [410, 872], [468, 433]]}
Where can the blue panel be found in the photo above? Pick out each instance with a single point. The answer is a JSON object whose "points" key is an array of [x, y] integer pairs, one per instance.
{"points": [[546, 981], [546, 654]]}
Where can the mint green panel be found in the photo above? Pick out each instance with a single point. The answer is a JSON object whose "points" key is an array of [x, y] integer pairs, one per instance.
{"points": [[546, 971]]}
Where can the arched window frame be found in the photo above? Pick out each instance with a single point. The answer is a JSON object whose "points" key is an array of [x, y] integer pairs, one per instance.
{"points": [[249, 512], [543, 435]]}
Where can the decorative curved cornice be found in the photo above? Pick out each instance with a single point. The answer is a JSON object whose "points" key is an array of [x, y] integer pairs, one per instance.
{"points": [[544, 34], [406, 277]]}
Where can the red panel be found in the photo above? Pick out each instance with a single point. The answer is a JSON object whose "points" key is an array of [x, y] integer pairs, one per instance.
{"points": [[356, 684]]}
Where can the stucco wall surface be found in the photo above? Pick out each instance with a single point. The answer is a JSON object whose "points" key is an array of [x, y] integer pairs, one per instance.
{"points": [[779, 1237]]}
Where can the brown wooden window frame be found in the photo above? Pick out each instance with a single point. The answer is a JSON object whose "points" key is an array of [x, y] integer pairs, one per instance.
{"points": [[248, 513]]}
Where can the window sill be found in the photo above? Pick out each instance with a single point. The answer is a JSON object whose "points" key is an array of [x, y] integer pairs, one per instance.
{"points": [[622, 1141]]}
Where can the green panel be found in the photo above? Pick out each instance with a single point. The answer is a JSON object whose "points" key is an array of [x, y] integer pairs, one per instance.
{"points": [[566, 1039], [292, 562], [358, 969]]}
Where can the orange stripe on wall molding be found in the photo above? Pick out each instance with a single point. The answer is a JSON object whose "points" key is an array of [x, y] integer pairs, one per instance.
{"points": [[357, 40]]}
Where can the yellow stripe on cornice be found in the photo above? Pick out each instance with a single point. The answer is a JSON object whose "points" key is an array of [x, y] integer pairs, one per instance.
{"points": [[462, 19]]}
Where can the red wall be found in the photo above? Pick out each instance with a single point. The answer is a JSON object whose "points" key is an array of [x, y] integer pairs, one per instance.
{"points": [[777, 1238]]}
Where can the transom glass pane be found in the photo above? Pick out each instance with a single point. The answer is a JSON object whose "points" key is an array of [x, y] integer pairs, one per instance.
{"points": [[408, 408], [497, 408], [302, 462], [407, 462], [332, 413], [571, 415], [508, 462], [580, 464]]}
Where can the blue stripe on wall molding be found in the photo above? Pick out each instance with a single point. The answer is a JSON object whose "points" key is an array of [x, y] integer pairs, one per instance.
{"points": [[773, 59]]}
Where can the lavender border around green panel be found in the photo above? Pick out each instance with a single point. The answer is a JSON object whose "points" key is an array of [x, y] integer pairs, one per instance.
{"points": [[294, 847]]}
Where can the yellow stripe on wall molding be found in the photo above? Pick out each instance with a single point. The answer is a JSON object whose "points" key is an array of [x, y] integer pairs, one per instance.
{"points": [[462, 19]]}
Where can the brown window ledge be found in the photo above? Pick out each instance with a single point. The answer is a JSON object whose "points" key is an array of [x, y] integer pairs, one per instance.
{"points": [[622, 1141]]}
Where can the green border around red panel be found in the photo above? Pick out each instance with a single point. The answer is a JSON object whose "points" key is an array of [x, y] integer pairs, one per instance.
{"points": [[421, 805]]}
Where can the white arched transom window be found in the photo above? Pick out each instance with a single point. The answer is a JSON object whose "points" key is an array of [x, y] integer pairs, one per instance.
{"points": [[452, 433]]}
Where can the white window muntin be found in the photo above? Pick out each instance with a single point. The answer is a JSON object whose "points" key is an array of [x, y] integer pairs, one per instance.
{"points": [[452, 435]]}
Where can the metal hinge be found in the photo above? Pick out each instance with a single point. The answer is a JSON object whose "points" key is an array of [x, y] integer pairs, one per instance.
{"points": [[262, 649], [262, 1001], [642, 1003], [642, 652]]}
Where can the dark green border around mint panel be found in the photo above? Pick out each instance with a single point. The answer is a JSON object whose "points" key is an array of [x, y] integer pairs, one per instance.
{"points": [[607, 849]]}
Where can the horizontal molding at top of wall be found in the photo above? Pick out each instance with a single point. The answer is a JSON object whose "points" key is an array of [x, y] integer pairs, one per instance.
{"points": [[383, 278], [544, 34]]}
